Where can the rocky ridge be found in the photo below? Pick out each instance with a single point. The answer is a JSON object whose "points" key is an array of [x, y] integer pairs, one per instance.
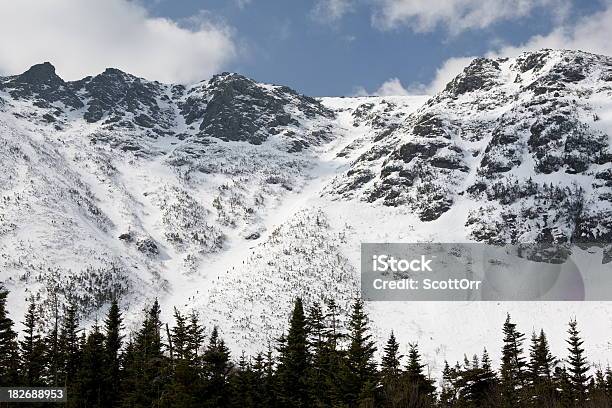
{"points": [[521, 139]]}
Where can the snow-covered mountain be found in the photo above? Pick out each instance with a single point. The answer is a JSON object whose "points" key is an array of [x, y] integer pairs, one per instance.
{"points": [[116, 184], [522, 141], [232, 197]]}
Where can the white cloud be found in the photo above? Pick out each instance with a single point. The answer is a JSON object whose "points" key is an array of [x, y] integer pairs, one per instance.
{"points": [[391, 87], [426, 15], [327, 11], [591, 33], [456, 15], [360, 91], [449, 69], [242, 3], [82, 37]]}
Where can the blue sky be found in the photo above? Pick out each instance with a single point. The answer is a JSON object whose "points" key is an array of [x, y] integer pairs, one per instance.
{"points": [[287, 42], [319, 47]]}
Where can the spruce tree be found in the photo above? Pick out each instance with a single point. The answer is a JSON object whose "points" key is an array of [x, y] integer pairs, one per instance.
{"points": [[113, 340], [486, 381], [243, 385], [269, 390], [320, 357], [185, 382], [128, 374], [578, 366], [390, 367], [53, 358], [217, 368], [146, 369], [195, 335], [333, 332], [69, 346], [448, 391], [32, 349], [598, 395], [420, 387], [540, 370], [390, 374], [180, 337], [295, 361], [260, 390], [608, 383], [91, 378], [564, 396], [334, 357], [513, 365], [479, 381], [9, 349], [360, 378]]}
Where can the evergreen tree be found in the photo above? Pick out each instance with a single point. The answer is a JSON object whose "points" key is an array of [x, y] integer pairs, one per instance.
{"points": [[128, 374], [260, 390], [194, 335], [598, 393], [113, 340], [485, 382], [360, 378], [333, 332], [146, 368], [268, 385], [194, 344], [185, 383], [52, 355], [414, 368], [448, 393], [564, 396], [320, 357], [390, 364], [608, 383], [471, 385], [390, 374], [540, 371], [32, 350], [334, 361], [420, 388], [69, 347], [217, 368], [294, 361], [512, 366], [91, 379], [479, 381], [180, 337], [578, 366], [9, 350], [315, 324], [243, 385]]}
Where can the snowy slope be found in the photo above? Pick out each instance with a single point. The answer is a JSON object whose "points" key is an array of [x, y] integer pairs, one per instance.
{"points": [[233, 197], [114, 184]]}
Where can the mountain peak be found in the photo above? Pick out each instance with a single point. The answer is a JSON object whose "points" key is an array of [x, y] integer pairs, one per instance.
{"points": [[40, 74], [116, 74], [41, 84]]}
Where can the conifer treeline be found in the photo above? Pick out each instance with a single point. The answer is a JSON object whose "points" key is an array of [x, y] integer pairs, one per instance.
{"points": [[315, 364]]}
